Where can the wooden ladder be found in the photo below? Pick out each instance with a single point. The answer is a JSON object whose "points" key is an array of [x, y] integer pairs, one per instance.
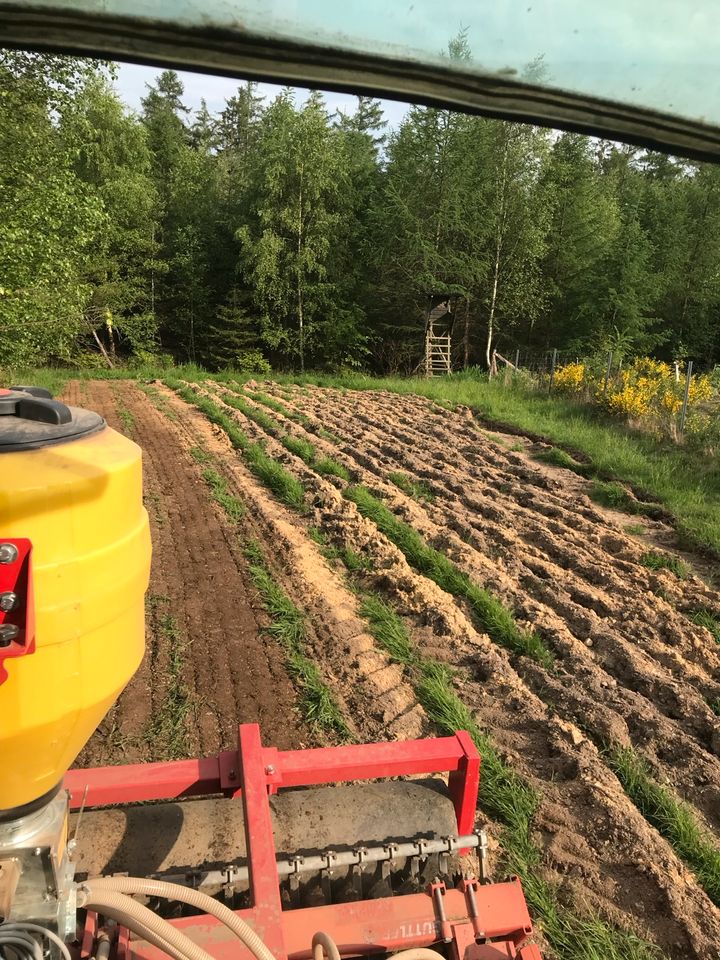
{"points": [[437, 355]]}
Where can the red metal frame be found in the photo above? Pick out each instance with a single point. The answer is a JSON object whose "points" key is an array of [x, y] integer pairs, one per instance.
{"points": [[17, 578], [460, 917]]}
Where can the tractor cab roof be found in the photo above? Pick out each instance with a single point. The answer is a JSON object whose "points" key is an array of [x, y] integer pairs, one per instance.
{"points": [[643, 71]]}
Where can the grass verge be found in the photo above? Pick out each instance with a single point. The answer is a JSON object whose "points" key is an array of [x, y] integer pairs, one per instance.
{"points": [[665, 561], [508, 799], [488, 612], [673, 818], [288, 626], [616, 497], [559, 458]]}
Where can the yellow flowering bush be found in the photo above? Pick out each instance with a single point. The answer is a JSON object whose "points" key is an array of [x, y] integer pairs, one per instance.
{"points": [[571, 377], [645, 390]]}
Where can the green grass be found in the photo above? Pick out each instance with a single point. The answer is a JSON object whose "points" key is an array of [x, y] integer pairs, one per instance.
{"points": [[665, 561], [300, 447], [555, 457], [488, 612], [614, 495], [714, 704], [232, 505], [329, 467], [278, 407], [672, 817], [325, 466], [507, 799], [200, 455], [327, 435], [354, 561], [167, 732], [157, 400], [272, 474], [635, 529], [288, 627], [686, 484], [255, 414], [126, 418], [705, 618], [417, 489]]}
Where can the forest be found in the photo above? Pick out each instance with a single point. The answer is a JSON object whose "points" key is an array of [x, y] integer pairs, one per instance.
{"points": [[277, 234]]}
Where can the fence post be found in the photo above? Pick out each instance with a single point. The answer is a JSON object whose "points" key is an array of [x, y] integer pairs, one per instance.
{"points": [[683, 413], [608, 372], [552, 369], [517, 359]]}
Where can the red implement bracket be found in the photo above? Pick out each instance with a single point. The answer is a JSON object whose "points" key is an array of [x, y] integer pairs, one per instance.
{"points": [[496, 912], [16, 578], [140, 782]]}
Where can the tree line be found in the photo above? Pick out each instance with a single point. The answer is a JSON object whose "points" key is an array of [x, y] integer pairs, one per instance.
{"points": [[279, 232]]}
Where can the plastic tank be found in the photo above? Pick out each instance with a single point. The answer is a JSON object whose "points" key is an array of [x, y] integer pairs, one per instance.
{"points": [[73, 488]]}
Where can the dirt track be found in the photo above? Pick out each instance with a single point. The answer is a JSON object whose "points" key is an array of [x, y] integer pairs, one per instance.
{"points": [[199, 597], [630, 666]]}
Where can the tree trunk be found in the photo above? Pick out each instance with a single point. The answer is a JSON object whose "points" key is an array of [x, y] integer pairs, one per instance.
{"points": [[103, 351], [301, 318], [501, 225], [466, 335], [493, 301]]}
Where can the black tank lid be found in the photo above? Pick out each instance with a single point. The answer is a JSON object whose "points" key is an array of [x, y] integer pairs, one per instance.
{"points": [[30, 418]]}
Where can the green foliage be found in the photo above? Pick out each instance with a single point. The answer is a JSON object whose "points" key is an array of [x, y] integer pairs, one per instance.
{"points": [[615, 496], [665, 561], [200, 455], [49, 220], [488, 612], [255, 414], [233, 507], [329, 467], [278, 233], [709, 620], [288, 626], [300, 447], [673, 818], [417, 489], [283, 484], [325, 466], [559, 458]]}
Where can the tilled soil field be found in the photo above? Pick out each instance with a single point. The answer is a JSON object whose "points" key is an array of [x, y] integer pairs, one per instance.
{"points": [[630, 670]]}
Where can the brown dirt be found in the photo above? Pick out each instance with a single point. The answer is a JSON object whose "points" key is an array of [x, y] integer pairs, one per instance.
{"points": [[233, 674], [631, 667]]}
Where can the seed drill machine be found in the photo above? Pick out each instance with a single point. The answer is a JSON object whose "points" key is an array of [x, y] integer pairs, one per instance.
{"points": [[256, 852]]}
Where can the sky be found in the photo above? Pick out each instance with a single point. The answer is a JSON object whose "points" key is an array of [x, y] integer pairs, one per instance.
{"points": [[662, 54], [132, 79]]}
